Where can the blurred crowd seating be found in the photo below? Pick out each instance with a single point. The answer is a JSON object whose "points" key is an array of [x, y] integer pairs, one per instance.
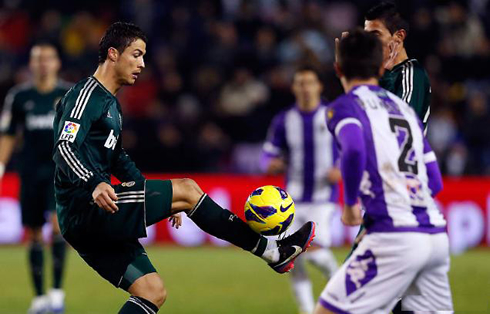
{"points": [[218, 70]]}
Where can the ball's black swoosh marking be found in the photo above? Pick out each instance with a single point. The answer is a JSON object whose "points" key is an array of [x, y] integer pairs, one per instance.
{"points": [[283, 209]]}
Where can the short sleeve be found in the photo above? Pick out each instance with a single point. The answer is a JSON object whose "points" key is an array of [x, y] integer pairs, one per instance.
{"points": [[341, 113]]}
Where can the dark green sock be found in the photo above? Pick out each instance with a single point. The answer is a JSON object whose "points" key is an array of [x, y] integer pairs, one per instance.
{"points": [[225, 225], [137, 305], [36, 263], [58, 252]]}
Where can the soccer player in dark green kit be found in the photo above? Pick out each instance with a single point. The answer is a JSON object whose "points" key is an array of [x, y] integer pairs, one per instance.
{"points": [[102, 221], [29, 109], [403, 76]]}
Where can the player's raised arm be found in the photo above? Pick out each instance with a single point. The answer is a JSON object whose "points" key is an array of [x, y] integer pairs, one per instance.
{"points": [[74, 118]]}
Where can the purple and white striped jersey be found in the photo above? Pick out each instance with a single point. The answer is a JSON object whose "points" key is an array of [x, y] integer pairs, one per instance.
{"points": [[303, 139], [394, 189]]}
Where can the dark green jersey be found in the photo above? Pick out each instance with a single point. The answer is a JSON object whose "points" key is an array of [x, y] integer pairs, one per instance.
{"points": [[409, 81], [28, 111], [88, 149]]}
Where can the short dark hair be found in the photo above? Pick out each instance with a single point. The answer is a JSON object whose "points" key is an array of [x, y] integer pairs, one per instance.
{"points": [[47, 43], [360, 55], [388, 13], [119, 36], [308, 68]]}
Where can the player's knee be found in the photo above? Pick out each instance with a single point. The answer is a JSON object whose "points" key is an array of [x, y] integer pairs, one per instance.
{"points": [[157, 292], [190, 186], [35, 235], [187, 190]]}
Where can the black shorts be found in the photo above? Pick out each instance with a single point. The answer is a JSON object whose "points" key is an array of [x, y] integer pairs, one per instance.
{"points": [[36, 200], [109, 242]]}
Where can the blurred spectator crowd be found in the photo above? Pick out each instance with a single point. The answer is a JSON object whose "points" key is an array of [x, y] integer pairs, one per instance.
{"points": [[218, 70]]}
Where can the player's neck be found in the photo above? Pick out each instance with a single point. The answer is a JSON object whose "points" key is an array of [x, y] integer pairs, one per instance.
{"points": [[350, 84], [308, 106], [45, 85], [402, 56], [107, 78]]}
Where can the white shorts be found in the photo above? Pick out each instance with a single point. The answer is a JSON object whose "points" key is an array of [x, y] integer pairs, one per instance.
{"points": [[387, 266], [321, 214]]}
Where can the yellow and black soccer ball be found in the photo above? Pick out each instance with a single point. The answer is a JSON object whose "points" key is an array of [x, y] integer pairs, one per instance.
{"points": [[269, 210]]}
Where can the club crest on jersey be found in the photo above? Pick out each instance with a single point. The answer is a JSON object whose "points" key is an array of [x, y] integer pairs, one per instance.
{"points": [[128, 184], [69, 132]]}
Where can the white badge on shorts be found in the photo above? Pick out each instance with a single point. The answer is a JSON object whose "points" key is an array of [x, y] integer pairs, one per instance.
{"points": [[69, 132]]}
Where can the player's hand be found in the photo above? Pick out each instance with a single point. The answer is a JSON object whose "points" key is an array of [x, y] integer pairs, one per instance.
{"points": [[351, 215], [105, 196], [337, 45], [393, 53], [176, 220], [276, 165], [334, 175]]}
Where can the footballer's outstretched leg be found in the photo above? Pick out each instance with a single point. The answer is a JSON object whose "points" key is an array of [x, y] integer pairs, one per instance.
{"points": [[210, 217]]}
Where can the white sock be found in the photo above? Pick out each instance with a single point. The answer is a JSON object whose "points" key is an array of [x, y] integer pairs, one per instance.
{"points": [[302, 287], [271, 253], [324, 260]]}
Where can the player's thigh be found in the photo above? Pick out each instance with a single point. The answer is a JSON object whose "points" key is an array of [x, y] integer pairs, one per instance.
{"points": [[121, 262], [140, 203], [378, 272], [321, 214], [431, 290], [300, 216]]}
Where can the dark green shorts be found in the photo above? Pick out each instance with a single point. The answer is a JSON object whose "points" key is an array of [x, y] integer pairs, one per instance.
{"points": [[109, 242], [36, 200]]}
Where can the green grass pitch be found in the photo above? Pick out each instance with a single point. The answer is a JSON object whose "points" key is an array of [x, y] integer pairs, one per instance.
{"points": [[212, 280]]}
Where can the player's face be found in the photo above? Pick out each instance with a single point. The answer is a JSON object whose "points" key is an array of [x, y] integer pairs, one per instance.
{"points": [[130, 63], [44, 61], [379, 29], [306, 86]]}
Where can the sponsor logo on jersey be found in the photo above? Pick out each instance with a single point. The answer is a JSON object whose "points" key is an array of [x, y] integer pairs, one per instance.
{"points": [[70, 131], [40, 122], [128, 184], [111, 141]]}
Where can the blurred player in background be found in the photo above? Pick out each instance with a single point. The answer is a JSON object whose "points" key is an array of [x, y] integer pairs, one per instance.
{"points": [[300, 145], [103, 222], [28, 115], [390, 166]]}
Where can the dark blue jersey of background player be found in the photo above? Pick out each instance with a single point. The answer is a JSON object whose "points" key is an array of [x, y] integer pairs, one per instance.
{"points": [[29, 111]]}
